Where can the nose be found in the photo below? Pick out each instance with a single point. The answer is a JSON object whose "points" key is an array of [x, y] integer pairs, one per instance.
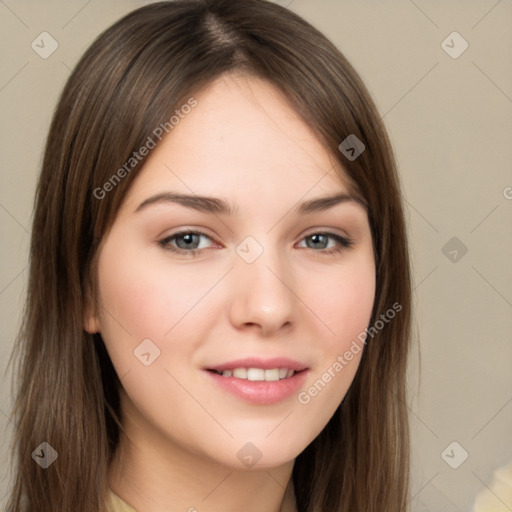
{"points": [[263, 295]]}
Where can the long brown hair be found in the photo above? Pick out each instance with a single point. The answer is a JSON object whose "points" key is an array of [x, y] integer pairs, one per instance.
{"points": [[128, 82]]}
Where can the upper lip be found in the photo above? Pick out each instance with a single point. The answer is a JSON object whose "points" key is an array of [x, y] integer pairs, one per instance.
{"points": [[256, 362]]}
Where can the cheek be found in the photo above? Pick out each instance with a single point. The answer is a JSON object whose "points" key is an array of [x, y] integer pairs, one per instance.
{"points": [[342, 298], [345, 306], [142, 299]]}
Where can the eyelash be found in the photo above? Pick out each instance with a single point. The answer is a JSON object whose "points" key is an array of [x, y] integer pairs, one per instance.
{"points": [[343, 242]]}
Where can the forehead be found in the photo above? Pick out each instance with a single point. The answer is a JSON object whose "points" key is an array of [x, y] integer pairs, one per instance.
{"points": [[243, 137]]}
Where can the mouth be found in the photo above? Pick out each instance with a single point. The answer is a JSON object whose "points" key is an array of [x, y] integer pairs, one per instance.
{"points": [[260, 381]]}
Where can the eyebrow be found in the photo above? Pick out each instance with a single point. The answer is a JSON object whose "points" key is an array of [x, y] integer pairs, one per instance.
{"points": [[219, 206]]}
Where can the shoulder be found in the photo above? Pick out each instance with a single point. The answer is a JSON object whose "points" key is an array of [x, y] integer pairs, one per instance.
{"points": [[116, 504], [497, 497]]}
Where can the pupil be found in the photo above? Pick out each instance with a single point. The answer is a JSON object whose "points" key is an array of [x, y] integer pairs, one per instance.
{"points": [[188, 239], [316, 238]]}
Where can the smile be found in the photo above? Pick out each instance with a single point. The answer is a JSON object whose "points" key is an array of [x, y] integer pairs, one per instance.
{"points": [[259, 381]]}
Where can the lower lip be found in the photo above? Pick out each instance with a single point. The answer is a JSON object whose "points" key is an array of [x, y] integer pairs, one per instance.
{"points": [[261, 392]]}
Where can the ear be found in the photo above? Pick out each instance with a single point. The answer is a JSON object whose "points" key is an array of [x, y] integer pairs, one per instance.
{"points": [[91, 322], [91, 319]]}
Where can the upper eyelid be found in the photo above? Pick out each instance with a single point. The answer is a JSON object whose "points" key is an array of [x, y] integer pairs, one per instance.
{"points": [[186, 232]]}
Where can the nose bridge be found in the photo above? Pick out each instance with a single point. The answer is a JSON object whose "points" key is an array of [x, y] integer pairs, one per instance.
{"points": [[264, 283]]}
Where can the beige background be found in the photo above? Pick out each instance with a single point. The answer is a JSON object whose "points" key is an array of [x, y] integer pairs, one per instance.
{"points": [[450, 121]]}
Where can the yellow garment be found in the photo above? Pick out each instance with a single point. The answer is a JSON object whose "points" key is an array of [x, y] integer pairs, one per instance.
{"points": [[116, 504], [499, 499]]}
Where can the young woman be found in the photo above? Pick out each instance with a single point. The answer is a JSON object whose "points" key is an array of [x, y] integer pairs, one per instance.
{"points": [[218, 307]]}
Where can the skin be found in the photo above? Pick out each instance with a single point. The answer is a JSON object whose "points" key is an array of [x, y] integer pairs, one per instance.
{"points": [[244, 143]]}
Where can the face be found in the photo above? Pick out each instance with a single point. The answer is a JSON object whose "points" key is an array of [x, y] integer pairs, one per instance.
{"points": [[228, 328]]}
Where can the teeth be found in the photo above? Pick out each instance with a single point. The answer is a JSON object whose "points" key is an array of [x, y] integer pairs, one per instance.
{"points": [[255, 374], [240, 373], [273, 374], [259, 374]]}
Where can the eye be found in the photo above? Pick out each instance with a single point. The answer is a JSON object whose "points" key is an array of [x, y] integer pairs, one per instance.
{"points": [[321, 241], [189, 242], [184, 242]]}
